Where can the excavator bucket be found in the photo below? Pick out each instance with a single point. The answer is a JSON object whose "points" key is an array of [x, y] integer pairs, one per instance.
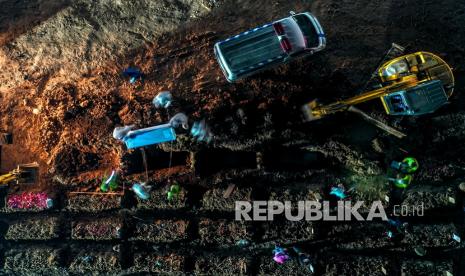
{"points": [[395, 51], [23, 174], [6, 138], [308, 110], [6, 178], [27, 173]]}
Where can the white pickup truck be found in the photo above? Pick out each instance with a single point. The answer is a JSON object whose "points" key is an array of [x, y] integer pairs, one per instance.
{"points": [[270, 45]]}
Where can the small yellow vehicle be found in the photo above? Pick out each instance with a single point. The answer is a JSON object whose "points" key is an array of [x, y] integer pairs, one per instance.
{"points": [[23, 174], [413, 84]]}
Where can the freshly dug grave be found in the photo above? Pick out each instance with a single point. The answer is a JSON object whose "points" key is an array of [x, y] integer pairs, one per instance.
{"points": [[360, 235], [222, 233], [91, 261], [214, 199], [92, 203], [97, 229], [160, 231], [214, 265], [285, 231], [439, 235], [431, 198], [420, 267], [33, 258], [34, 229], [353, 265], [289, 268], [158, 263], [158, 200]]}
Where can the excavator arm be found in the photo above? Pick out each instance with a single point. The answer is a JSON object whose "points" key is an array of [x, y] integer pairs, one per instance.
{"points": [[7, 178], [314, 111]]}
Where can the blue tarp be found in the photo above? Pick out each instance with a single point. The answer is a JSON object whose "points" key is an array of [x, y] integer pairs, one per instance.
{"points": [[141, 191], [133, 73], [149, 136]]}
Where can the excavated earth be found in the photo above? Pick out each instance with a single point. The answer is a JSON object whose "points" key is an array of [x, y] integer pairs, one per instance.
{"points": [[62, 92]]}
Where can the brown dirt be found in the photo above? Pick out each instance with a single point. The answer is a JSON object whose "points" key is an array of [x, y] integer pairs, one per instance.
{"points": [[70, 136]]}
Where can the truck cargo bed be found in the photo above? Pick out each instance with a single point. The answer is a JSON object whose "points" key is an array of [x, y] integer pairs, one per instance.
{"points": [[251, 49]]}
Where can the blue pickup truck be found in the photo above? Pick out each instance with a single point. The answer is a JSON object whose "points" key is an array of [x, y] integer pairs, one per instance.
{"points": [[267, 46]]}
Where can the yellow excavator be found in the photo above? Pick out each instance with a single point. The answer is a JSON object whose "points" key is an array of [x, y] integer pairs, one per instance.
{"points": [[412, 84], [23, 174]]}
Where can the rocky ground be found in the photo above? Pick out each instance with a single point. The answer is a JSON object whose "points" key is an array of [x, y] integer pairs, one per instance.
{"points": [[62, 94]]}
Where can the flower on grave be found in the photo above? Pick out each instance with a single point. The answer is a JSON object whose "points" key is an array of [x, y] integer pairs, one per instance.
{"points": [[30, 200]]}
